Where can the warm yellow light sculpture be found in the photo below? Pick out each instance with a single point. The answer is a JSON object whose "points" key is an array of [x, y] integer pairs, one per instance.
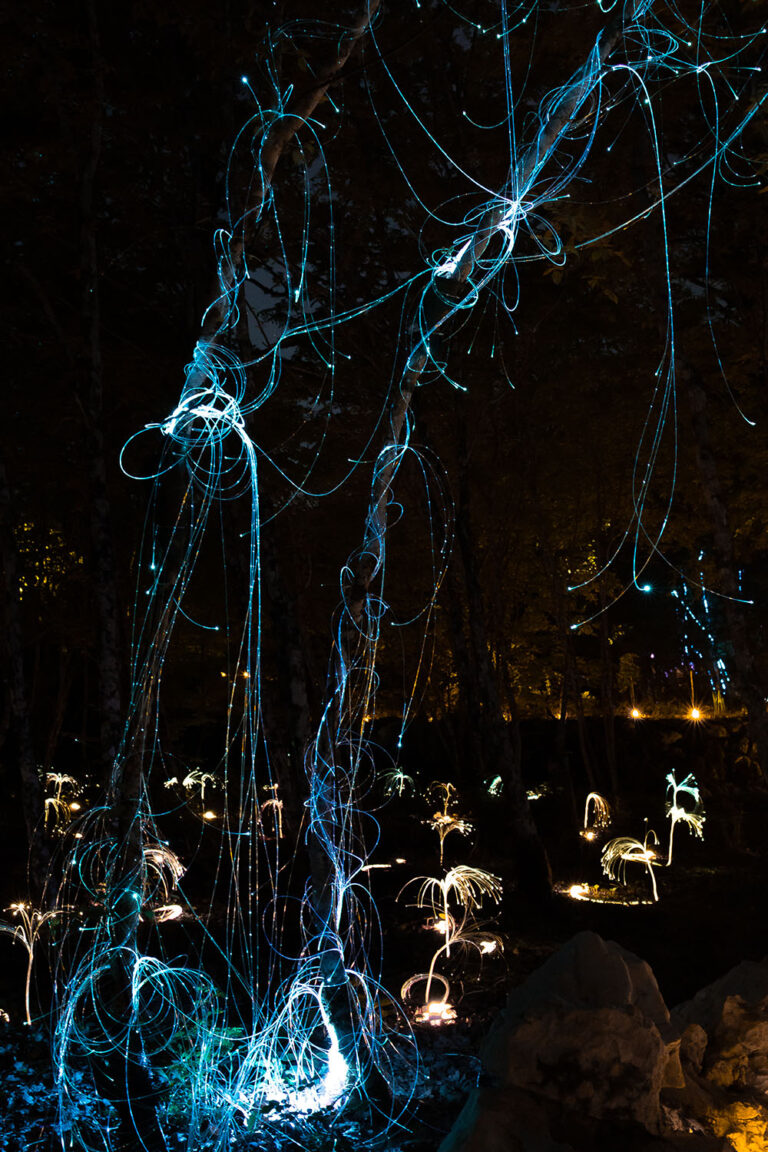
{"points": [[626, 850]]}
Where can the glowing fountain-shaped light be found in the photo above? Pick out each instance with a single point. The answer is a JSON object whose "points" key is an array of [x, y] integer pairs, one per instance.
{"points": [[31, 921], [626, 850], [694, 818], [398, 782], [275, 805], [467, 885], [57, 807], [600, 816], [198, 779], [61, 780], [162, 866], [443, 821]]}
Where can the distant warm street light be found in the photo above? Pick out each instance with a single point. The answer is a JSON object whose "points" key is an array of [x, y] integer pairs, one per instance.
{"points": [[694, 712]]}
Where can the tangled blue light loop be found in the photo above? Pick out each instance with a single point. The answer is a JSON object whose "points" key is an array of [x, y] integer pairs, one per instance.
{"points": [[203, 419], [219, 367]]}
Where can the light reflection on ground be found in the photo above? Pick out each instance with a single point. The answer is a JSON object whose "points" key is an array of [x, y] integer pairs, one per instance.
{"points": [[594, 894]]}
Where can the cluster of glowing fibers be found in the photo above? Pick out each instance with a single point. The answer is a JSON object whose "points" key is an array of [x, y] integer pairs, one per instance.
{"points": [[296, 1017], [626, 850], [692, 818]]}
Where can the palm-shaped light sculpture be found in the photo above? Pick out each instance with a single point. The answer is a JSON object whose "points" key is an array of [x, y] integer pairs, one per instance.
{"points": [[443, 821], [26, 931], [198, 779], [626, 850], [57, 807], [466, 885], [692, 817]]}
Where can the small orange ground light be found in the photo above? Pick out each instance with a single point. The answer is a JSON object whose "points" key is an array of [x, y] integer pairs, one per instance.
{"points": [[694, 714], [436, 1012], [636, 714]]}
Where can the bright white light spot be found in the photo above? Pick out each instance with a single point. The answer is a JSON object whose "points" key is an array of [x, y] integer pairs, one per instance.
{"points": [[436, 1012], [168, 912], [334, 1082]]}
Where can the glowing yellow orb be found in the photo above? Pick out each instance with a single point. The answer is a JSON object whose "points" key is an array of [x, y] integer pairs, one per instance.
{"points": [[694, 714], [636, 714]]}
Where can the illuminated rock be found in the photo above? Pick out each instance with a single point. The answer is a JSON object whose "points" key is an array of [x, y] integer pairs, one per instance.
{"points": [[588, 1035], [586, 1055], [743, 1123], [725, 1030]]}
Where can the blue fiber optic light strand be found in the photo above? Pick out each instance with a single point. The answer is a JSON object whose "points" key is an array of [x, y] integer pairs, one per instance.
{"points": [[255, 1026]]}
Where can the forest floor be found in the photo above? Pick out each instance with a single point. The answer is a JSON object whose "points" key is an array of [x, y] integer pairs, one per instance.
{"points": [[710, 915]]}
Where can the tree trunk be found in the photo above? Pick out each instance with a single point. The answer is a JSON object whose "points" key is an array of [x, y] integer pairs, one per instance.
{"points": [[62, 697], [288, 728], [222, 314], [607, 695], [468, 704]]}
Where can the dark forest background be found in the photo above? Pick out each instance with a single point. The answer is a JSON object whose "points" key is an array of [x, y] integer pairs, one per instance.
{"points": [[118, 121]]}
